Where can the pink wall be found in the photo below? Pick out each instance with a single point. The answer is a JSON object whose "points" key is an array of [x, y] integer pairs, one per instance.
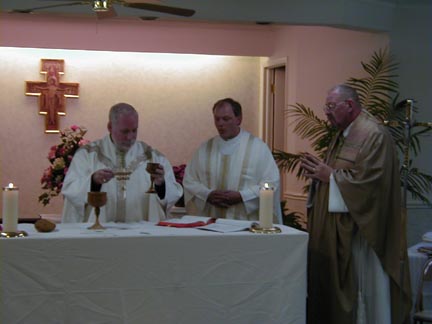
{"points": [[39, 31], [317, 58]]}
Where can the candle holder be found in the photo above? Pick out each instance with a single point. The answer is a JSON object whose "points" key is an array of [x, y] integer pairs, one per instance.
{"points": [[256, 228], [13, 234], [97, 200]]}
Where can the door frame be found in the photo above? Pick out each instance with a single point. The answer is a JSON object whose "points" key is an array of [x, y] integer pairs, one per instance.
{"points": [[267, 113]]}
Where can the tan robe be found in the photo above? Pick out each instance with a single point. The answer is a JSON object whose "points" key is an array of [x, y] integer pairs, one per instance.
{"points": [[367, 174]]}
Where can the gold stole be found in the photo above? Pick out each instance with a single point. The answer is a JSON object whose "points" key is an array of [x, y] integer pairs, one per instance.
{"points": [[224, 176], [121, 190], [121, 184]]}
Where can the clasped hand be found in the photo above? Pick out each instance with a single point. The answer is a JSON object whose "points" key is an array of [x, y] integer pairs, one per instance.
{"points": [[224, 198], [314, 168]]}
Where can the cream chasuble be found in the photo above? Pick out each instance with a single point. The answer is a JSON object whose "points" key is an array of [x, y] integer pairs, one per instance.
{"points": [[127, 198], [239, 164]]}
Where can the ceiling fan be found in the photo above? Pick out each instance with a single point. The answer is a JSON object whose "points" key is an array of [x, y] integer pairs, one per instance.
{"points": [[105, 8]]}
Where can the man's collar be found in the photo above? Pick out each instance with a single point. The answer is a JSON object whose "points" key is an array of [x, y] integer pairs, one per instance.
{"points": [[235, 137]]}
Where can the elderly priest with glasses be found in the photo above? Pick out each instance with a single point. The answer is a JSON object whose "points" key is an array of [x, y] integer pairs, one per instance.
{"points": [[356, 228]]}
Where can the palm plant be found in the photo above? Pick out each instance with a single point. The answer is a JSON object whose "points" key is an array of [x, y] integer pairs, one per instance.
{"points": [[379, 94], [292, 218]]}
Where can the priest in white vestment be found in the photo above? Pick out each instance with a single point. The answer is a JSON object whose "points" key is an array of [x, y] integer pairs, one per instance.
{"points": [[116, 164], [223, 178]]}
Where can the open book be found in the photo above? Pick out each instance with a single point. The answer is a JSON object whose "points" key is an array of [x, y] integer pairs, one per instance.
{"points": [[206, 223]]}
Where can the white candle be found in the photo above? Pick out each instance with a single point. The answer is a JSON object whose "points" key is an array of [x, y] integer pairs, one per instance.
{"points": [[266, 206], [10, 208]]}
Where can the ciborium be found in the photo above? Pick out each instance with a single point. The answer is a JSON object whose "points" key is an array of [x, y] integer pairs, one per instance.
{"points": [[122, 174], [97, 200], [151, 168]]}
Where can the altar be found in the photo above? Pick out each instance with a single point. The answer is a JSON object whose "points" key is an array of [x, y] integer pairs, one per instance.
{"points": [[142, 273]]}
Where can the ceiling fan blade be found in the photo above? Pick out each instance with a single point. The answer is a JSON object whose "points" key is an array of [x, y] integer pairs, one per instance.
{"points": [[160, 8], [111, 13], [30, 10]]}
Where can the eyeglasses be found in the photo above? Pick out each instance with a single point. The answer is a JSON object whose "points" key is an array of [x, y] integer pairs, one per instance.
{"points": [[331, 106]]}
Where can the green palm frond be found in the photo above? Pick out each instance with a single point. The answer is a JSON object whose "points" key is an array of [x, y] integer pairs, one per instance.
{"points": [[418, 183], [310, 126], [288, 162], [378, 89], [292, 218]]}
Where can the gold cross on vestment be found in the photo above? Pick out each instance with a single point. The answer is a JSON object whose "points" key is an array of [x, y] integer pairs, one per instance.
{"points": [[52, 93]]}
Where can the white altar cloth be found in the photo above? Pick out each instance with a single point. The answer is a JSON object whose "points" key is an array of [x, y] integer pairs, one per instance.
{"points": [[142, 273]]}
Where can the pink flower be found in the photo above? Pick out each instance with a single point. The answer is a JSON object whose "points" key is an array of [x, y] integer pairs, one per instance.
{"points": [[74, 127], [83, 142], [179, 171], [47, 173], [61, 151], [52, 152]]}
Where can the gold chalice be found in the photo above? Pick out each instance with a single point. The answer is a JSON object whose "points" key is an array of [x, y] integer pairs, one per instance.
{"points": [[97, 200], [151, 168]]}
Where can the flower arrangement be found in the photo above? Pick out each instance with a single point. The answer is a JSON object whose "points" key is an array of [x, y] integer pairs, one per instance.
{"points": [[60, 157], [179, 171]]}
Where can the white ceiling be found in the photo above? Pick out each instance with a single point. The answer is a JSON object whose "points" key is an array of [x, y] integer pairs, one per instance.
{"points": [[357, 14]]}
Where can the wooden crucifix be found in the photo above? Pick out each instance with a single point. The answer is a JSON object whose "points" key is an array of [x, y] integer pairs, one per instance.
{"points": [[52, 93]]}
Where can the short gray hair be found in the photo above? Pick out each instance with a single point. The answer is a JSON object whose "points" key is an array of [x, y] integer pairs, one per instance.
{"points": [[346, 92], [121, 109]]}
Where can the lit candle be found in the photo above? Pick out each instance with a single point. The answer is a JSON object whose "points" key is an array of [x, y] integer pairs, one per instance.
{"points": [[266, 206], [10, 208]]}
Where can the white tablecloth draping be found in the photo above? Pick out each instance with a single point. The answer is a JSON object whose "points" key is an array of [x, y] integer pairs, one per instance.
{"points": [[417, 262], [142, 273]]}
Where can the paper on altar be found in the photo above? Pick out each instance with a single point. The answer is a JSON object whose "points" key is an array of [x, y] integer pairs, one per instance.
{"points": [[227, 225], [221, 225], [189, 219]]}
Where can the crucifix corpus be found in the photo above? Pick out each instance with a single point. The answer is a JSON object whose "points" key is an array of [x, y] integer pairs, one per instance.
{"points": [[52, 93]]}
